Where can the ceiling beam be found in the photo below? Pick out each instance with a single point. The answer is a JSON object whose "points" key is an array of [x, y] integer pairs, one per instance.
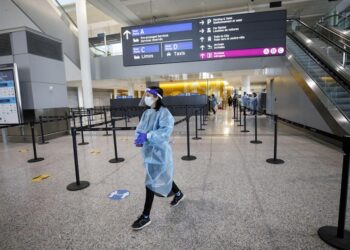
{"points": [[117, 11]]}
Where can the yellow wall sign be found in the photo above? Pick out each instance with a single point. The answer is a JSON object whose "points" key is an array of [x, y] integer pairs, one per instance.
{"points": [[40, 177]]}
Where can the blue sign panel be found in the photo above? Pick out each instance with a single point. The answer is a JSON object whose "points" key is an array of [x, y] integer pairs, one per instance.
{"points": [[178, 46], [119, 194], [259, 34], [146, 49], [170, 28]]}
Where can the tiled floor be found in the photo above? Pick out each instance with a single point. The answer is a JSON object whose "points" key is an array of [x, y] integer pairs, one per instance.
{"points": [[234, 199]]}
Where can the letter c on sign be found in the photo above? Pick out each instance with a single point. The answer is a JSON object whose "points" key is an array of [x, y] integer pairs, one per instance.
{"points": [[143, 49]]}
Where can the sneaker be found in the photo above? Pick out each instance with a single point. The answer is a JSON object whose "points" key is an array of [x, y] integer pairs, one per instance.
{"points": [[141, 222], [177, 200]]}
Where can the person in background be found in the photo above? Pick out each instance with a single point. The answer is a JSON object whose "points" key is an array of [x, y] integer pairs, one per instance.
{"points": [[152, 134], [229, 101], [213, 103], [245, 100]]}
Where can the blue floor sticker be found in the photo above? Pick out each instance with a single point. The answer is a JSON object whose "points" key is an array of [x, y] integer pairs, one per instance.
{"points": [[118, 195]]}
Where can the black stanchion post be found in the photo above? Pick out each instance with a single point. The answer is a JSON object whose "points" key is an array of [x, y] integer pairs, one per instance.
{"points": [[77, 185], [201, 119], [116, 159], [204, 118], [125, 118], [256, 141], [42, 131], [82, 132], [240, 117], [234, 112], [36, 158], [67, 120], [188, 157], [236, 119], [89, 117], [74, 124], [196, 123], [105, 115], [244, 120], [274, 160], [336, 236]]}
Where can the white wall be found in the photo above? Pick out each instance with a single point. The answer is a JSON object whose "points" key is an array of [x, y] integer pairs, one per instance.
{"points": [[11, 17], [289, 101], [72, 71]]}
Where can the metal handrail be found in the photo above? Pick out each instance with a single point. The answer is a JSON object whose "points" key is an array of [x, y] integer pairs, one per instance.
{"points": [[334, 33], [330, 16], [66, 13], [321, 35]]}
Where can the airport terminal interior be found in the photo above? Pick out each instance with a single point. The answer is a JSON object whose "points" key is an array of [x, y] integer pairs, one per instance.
{"points": [[174, 124]]}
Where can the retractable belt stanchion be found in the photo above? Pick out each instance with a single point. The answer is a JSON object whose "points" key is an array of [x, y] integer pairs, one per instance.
{"points": [[240, 117], [67, 120], [234, 111], [201, 119], [236, 119], [274, 160], [89, 118], [36, 158], [77, 185], [74, 124], [125, 117], [188, 157], [205, 118], [245, 121], [116, 159], [42, 131], [105, 115], [336, 236], [256, 141], [196, 137], [82, 131]]}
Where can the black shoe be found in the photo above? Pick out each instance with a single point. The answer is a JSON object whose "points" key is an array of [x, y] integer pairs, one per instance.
{"points": [[177, 200], [141, 222]]}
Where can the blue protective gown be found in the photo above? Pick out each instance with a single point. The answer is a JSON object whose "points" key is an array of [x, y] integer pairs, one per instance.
{"points": [[156, 151]]}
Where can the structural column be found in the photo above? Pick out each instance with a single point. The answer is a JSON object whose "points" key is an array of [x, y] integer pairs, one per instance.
{"points": [[246, 84], [84, 51], [131, 89], [80, 97]]}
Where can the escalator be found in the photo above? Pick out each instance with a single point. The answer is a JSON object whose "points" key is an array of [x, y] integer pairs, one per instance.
{"points": [[323, 64]]}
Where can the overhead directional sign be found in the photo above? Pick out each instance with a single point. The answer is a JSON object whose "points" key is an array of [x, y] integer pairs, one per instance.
{"points": [[231, 36]]}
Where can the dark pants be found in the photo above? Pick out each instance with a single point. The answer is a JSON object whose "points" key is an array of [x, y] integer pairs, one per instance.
{"points": [[150, 197], [213, 109]]}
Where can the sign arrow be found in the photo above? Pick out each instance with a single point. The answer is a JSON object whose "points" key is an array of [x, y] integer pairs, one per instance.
{"points": [[202, 47], [201, 30], [126, 34], [202, 39], [201, 22]]}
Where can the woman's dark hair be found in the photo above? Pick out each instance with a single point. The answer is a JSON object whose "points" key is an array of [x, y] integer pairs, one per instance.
{"points": [[159, 102]]}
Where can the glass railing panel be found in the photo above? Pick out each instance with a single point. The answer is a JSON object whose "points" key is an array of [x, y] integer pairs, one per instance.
{"points": [[337, 95], [326, 42]]}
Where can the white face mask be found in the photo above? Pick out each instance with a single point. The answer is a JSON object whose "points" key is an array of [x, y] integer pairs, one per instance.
{"points": [[149, 100]]}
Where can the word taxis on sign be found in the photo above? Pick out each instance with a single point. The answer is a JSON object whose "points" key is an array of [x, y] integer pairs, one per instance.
{"points": [[231, 36]]}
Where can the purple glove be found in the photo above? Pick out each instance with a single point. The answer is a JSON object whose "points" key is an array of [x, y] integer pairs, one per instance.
{"points": [[142, 137]]}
